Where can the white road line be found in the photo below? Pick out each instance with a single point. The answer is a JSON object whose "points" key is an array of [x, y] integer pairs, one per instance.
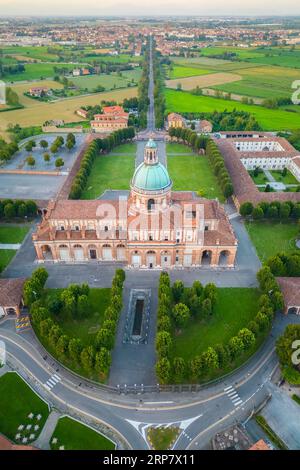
{"points": [[236, 399], [238, 403], [54, 379], [51, 381], [57, 377], [48, 388], [157, 402], [228, 388], [231, 394]]}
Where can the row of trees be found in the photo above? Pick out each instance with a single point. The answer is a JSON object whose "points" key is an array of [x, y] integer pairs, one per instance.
{"points": [[96, 147], [143, 89], [18, 209], [285, 264], [159, 97], [272, 210], [189, 137], [177, 304], [219, 168], [92, 359]]}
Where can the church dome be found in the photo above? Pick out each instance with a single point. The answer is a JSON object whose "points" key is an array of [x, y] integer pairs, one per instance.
{"points": [[151, 177], [151, 144]]}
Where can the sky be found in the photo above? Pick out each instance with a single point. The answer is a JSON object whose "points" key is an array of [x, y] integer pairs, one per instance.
{"points": [[148, 7]]}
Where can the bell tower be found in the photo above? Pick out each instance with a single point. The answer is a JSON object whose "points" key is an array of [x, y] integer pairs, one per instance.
{"points": [[150, 153]]}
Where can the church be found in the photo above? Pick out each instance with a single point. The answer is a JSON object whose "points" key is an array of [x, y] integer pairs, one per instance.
{"points": [[151, 227]]}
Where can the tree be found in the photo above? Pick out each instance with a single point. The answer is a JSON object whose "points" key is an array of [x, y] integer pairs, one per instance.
{"points": [[210, 292], [87, 358], [47, 157], [196, 366], [68, 299], [257, 213], [236, 346], [30, 160], [105, 338], [179, 367], [164, 323], [70, 144], [246, 209], [29, 146], [163, 343], [163, 370], [75, 347], [206, 308], [284, 344], [209, 360], [177, 290], [44, 144], [181, 314], [195, 305], [9, 211], [276, 265], [62, 346], [247, 337], [59, 162], [223, 355], [262, 320], [103, 360]]}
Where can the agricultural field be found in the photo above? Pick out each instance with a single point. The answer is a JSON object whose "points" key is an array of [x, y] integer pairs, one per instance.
{"points": [[31, 52], [203, 81], [178, 71], [108, 81], [263, 82], [21, 88], [269, 119], [37, 71], [281, 56], [63, 109]]}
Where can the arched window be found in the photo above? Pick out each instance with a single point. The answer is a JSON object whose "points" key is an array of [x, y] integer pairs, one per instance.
{"points": [[151, 204]]}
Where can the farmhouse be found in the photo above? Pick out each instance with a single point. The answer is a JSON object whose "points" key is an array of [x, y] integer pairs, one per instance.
{"points": [[82, 112], [175, 120], [205, 126], [112, 119], [38, 92], [11, 296], [153, 228]]}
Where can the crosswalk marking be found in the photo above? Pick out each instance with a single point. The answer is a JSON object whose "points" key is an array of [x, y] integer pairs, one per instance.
{"points": [[52, 381], [233, 395]]}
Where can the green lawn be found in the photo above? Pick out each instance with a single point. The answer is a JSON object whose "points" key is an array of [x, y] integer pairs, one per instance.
{"points": [[109, 172], [130, 149], [269, 238], [178, 71], [13, 233], [5, 258], [234, 309], [269, 119], [84, 328], [289, 178], [162, 438], [17, 402], [260, 178], [193, 173], [73, 435], [177, 148]]}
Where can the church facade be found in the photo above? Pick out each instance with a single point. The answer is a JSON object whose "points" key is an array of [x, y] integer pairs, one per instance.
{"points": [[154, 227]]}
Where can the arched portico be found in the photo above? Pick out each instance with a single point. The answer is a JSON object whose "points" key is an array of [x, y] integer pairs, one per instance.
{"points": [[224, 258], [206, 258], [64, 252], [46, 252], [151, 259]]}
